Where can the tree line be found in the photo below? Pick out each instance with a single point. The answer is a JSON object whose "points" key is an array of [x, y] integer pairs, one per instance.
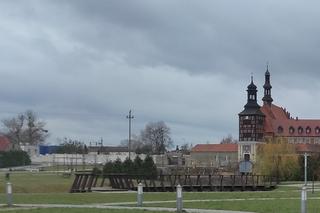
{"points": [[70, 146], [138, 166]]}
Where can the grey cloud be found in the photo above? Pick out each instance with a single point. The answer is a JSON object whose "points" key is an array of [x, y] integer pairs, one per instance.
{"points": [[83, 64]]}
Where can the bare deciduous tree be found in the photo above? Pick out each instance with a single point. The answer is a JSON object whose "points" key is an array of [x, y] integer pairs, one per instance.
{"points": [[229, 139], [186, 148], [25, 128], [157, 135]]}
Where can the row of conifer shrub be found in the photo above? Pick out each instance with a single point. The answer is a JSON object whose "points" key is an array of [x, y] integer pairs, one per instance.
{"points": [[138, 166]]}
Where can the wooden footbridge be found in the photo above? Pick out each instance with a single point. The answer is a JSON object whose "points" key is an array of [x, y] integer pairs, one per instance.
{"points": [[87, 182]]}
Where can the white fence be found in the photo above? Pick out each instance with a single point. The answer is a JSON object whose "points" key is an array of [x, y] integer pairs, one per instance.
{"points": [[80, 159]]}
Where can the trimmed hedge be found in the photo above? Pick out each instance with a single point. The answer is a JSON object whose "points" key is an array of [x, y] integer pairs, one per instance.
{"points": [[14, 158]]}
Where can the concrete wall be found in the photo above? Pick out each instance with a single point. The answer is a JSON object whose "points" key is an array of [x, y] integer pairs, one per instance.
{"points": [[79, 159]]}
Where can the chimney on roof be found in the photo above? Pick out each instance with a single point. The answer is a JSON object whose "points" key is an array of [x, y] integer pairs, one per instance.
{"points": [[297, 118]]}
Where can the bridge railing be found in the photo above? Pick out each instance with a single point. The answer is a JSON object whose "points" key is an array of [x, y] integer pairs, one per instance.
{"points": [[84, 182]]}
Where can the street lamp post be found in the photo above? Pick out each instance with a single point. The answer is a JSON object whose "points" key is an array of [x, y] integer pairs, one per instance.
{"points": [[130, 117], [305, 168]]}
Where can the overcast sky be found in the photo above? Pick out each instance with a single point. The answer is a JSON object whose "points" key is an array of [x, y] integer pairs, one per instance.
{"points": [[81, 65]]}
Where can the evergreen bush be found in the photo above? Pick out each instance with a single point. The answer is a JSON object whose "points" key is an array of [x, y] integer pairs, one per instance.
{"points": [[14, 158]]}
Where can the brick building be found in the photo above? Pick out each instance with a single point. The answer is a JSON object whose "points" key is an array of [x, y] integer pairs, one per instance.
{"points": [[269, 122], [214, 155]]}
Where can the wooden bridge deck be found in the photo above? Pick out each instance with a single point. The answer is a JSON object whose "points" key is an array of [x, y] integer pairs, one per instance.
{"points": [[84, 182]]}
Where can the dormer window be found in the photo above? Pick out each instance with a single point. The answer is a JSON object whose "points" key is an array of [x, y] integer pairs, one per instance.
{"points": [[317, 130], [308, 130], [291, 130], [280, 129], [300, 130]]}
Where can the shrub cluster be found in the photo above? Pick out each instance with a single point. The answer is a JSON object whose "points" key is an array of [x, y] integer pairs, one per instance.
{"points": [[14, 158], [144, 167]]}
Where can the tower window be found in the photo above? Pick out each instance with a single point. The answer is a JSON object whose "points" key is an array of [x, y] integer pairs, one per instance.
{"points": [[291, 130], [252, 97], [300, 130], [280, 129]]}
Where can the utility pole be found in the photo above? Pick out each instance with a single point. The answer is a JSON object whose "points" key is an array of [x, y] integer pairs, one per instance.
{"points": [[130, 117], [305, 168]]}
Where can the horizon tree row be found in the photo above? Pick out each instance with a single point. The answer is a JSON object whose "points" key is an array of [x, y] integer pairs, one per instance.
{"points": [[136, 167]]}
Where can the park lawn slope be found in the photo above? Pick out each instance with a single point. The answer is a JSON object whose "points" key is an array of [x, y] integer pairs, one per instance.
{"points": [[38, 182], [116, 197], [76, 210], [259, 206]]}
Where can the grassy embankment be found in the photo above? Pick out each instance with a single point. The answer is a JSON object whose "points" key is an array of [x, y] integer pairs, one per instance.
{"points": [[51, 188]]}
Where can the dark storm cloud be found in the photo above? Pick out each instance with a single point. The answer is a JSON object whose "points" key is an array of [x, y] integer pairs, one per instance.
{"points": [[208, 36], [83, 64]]}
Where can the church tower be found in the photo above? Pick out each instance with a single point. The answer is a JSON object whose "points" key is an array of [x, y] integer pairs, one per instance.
{"points": [[267, 99], [251, 123], [251, 119]]}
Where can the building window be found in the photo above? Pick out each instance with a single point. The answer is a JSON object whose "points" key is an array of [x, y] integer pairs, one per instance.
{"points": [[317, 130], [291, 130], [246, 148], [280, 129], [300, 130], [308, 130]]}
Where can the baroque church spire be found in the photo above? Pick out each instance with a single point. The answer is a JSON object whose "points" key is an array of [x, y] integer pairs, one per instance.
{"points": [[267, 99], [252, 95]]}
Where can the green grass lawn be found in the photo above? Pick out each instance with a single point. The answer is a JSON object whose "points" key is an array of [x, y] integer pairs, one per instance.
{"points": [[51, 188], [90, 198], [77, 210], [37, 182], [261, 206]]}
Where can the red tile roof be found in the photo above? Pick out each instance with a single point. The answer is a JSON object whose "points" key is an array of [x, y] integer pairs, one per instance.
{"points": [[215, 148], [309, 148], [277, 117], [4, 143]]}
